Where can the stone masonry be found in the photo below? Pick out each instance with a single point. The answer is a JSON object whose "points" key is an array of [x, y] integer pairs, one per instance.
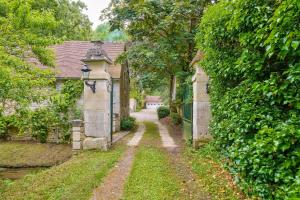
{"points": [[201, 107]]}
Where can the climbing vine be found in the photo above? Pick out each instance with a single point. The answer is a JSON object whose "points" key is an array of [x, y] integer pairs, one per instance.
{"points": [[252, 51], [62, 109], [65, 106], [53, 115]]}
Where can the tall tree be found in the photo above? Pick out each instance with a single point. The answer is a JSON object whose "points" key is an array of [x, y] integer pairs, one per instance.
{"points": [[27, 28], [103, 32], [162, 33], [72, 24]]}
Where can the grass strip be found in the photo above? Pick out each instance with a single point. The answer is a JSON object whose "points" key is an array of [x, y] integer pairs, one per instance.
{"points": [[151, 177], [207, 162], [74, 179]]}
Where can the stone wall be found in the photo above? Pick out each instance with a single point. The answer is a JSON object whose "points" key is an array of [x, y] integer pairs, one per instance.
{"points": [[201, 107]]}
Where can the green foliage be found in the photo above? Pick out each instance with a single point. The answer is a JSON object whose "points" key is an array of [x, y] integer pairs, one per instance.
{"points": [[103, 32], [40, 124], [207, 163], [162, 33], [136, 92], [63, 104], [3, 132], [163, 112], [252, 57], [175, 118], [27, 29], [128, 123], [55, 115], [71, 22]]}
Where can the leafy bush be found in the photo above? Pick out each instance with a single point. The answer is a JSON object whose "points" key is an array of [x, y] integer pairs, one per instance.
{"points": [[176, 118], [64, 105], [128, 123], [252, 56], [41, 122], [3, 130], [163, 112], [56, 115]]}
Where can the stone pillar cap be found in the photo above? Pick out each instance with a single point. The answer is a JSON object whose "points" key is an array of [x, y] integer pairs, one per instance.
{"points": [[76, 122]]}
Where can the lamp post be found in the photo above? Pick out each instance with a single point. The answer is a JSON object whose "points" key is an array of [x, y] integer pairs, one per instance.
{"points": [[85, 76]]}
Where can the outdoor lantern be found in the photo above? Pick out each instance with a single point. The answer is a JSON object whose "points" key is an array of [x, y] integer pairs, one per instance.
{"points": [[85, 76], [85, 71]]}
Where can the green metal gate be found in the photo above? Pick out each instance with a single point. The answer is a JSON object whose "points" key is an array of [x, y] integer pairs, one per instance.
{"points": [[187, 111]]}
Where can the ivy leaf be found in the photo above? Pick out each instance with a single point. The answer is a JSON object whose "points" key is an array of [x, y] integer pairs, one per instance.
{"points": [[295, 44]]}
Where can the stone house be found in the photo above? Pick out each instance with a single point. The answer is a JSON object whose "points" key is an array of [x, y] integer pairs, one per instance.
{"points": [[69, 58]]}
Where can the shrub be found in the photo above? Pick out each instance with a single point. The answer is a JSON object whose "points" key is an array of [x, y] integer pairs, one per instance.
{"points": [[176, 118], [252, 50], [128, 123], [3, 127], [163, 112], [41, 123]]}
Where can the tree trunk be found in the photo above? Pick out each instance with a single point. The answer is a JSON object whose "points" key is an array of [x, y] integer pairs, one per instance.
{"points": [[171, 89]]}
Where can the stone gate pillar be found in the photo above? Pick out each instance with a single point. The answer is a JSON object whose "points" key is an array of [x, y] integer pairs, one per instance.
{"points": [[201, 107], [97, 102]]}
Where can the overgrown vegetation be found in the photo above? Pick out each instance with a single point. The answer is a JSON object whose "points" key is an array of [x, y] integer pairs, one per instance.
{"points": [[163, 112], [252, 51], [162, 34], [27, 29], [128, 123], [74, 179], [175, 118], [50, 117]]}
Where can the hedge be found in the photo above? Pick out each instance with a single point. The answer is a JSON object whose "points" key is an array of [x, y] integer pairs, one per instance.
{"points": [[252, 55]]}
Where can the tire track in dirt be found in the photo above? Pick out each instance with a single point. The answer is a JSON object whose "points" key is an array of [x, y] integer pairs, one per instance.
{"points": [[113, 185]]}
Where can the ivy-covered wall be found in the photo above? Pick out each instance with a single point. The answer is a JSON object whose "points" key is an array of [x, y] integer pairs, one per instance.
{"points": [[252, 55], [51, 117]]}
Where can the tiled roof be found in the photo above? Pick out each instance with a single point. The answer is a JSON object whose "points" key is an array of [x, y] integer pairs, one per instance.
{"points": [[68, 62], [153, 99]]}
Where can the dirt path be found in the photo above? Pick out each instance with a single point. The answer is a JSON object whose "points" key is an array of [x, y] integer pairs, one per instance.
{"points": [[113, 185], [171, 141], [167, 140], [137, 136], [171, 138], [192, 187]]}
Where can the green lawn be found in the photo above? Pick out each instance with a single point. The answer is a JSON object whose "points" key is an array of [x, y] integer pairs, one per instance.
{"points": [[74, 179], [206, 162], [30, 154], [151, 177]]}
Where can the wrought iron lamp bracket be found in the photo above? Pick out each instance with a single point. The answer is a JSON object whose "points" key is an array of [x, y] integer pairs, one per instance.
{"points": [[91, 85]]}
